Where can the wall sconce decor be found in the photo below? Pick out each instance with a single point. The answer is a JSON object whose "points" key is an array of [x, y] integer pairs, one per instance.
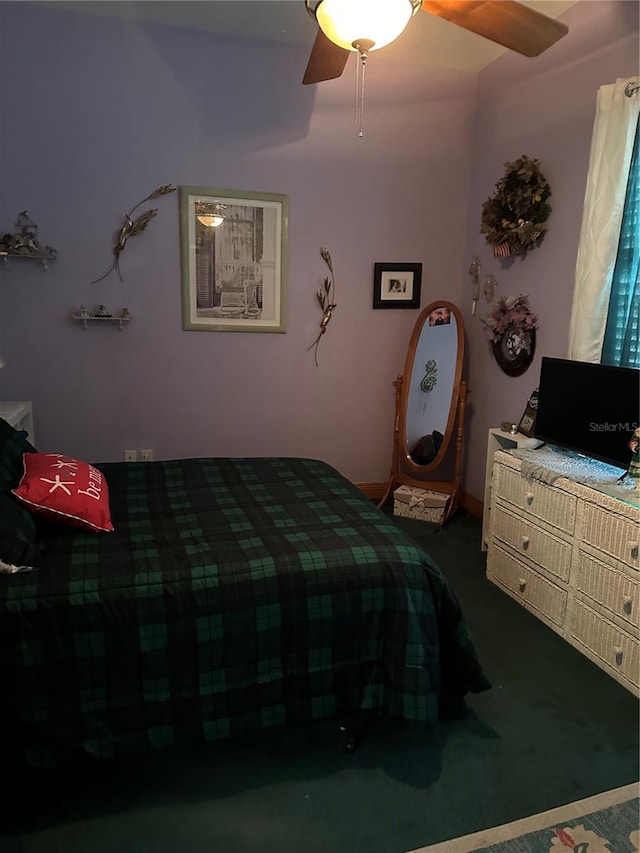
{"points": [[474, 272], [490, 284]]}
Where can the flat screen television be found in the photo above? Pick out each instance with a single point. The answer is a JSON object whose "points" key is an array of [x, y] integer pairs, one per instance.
{"points": [[590, 408]]}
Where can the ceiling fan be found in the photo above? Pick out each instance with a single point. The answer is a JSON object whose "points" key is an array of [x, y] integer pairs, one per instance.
{"points": [[363, 25]]}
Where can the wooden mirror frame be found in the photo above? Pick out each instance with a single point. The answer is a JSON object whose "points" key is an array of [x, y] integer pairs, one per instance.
{"points": [[404, 471]]}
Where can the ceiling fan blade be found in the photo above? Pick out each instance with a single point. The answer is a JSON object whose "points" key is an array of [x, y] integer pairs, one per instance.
{"points": [[327, 60], [506, 22]]}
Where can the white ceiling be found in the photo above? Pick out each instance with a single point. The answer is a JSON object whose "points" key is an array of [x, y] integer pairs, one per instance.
{"points": [[427, 39]]}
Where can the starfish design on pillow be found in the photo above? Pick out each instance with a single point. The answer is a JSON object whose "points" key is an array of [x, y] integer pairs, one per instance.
{"points": [[62, 464], [58, 484]]}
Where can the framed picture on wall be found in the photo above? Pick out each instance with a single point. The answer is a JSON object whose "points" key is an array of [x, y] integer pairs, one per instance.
{"points": [[397, 285], [233, 248]]}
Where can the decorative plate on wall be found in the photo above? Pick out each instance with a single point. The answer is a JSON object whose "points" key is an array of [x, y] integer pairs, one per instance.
{"points": [[515, 350]]}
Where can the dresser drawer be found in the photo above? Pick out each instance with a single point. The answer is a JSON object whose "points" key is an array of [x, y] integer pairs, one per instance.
{"points": [[544, 502], [526, 585], [611, 644], [613, 589], [617, 536], [536, 544]]}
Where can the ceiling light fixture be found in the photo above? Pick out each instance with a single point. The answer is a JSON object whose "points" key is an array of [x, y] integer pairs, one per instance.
{"points": [[352, 24], [362, 26]]}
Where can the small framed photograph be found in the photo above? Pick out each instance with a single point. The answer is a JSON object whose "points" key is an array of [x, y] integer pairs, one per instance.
{"points": [[234, 248], [528, 420], [397, 285]]}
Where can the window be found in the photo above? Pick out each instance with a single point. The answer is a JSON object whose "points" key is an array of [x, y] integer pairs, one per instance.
{"points": [[621, 345], [607, 260]]}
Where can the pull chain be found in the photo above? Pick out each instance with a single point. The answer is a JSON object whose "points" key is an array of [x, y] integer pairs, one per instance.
{"points": [[356, 114], [363, 74], [363, 46]]}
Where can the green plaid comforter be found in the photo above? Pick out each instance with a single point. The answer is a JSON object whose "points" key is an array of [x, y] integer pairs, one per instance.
{"points": [[234, 594]]}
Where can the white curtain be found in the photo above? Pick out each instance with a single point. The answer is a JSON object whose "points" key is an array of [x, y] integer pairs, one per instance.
{"points": [[611, 148]]}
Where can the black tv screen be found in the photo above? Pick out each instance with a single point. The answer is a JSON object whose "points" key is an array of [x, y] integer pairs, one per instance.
{"points": [[590, 408]]}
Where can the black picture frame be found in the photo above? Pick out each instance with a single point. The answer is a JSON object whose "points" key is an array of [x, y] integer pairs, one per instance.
{"points": [[527, 423], [397, 285]]}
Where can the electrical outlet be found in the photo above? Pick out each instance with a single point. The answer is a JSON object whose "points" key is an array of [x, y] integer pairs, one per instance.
{"points": [[131, 456], [146, 455]]}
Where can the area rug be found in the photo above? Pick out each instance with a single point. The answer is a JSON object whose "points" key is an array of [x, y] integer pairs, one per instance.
{"points": [[606, 823]]}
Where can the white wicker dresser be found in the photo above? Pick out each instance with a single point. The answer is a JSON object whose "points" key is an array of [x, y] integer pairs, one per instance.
{"points": [[569, 554]]}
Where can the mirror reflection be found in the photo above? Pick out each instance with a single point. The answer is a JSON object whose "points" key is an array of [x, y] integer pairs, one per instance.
{"points": [[431, 385], [430, 408]]}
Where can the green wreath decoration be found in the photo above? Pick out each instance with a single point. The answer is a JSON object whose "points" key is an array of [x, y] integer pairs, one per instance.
{"points": [[513, 218]]}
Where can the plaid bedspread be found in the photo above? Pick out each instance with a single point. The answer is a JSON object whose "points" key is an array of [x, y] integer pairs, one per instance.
{"points": [[234, 594]]}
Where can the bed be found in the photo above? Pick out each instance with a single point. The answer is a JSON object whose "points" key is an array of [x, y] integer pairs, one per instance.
{"points": [[233, 595]]}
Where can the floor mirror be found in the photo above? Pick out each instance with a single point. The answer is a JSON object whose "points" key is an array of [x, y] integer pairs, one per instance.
{"points": [[430, 400]]}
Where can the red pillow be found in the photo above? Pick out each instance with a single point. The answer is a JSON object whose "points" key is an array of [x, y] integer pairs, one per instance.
{"points": [[65, 489]]}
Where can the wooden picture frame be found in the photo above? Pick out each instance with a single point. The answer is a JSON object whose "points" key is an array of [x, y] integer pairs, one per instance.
{"points": [[233, 273], [397, 285]]}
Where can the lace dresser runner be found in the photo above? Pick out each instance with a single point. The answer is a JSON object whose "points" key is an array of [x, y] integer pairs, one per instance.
{"points": [[569, 553]]}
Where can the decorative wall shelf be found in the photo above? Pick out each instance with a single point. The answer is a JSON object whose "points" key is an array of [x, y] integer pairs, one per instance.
{"points": [[44, 259], [24, 243], [85, 318]]}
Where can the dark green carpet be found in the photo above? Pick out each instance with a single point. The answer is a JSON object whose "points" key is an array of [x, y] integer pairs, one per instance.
{"points": [[553, 729]]}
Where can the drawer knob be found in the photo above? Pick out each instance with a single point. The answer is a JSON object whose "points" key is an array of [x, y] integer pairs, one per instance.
{"points": [[618, 652], [525, 542], [627, 602], [529, 498], [633, 549], [522, 584]]}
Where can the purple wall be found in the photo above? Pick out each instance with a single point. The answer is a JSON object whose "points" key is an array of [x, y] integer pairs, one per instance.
{"points": [[543, 109], [95, 114]]}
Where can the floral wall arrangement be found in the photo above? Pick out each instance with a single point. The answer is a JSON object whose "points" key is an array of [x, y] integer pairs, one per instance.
{"points": [[511, 330], [513, 218]]}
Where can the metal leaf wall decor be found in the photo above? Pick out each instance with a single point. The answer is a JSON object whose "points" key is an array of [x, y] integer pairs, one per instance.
{"points": [[132, 227], [326, 297]]}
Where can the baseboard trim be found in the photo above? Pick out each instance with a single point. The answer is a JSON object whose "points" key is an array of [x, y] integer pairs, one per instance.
{"points": [[470, 503], [374, 491]]}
